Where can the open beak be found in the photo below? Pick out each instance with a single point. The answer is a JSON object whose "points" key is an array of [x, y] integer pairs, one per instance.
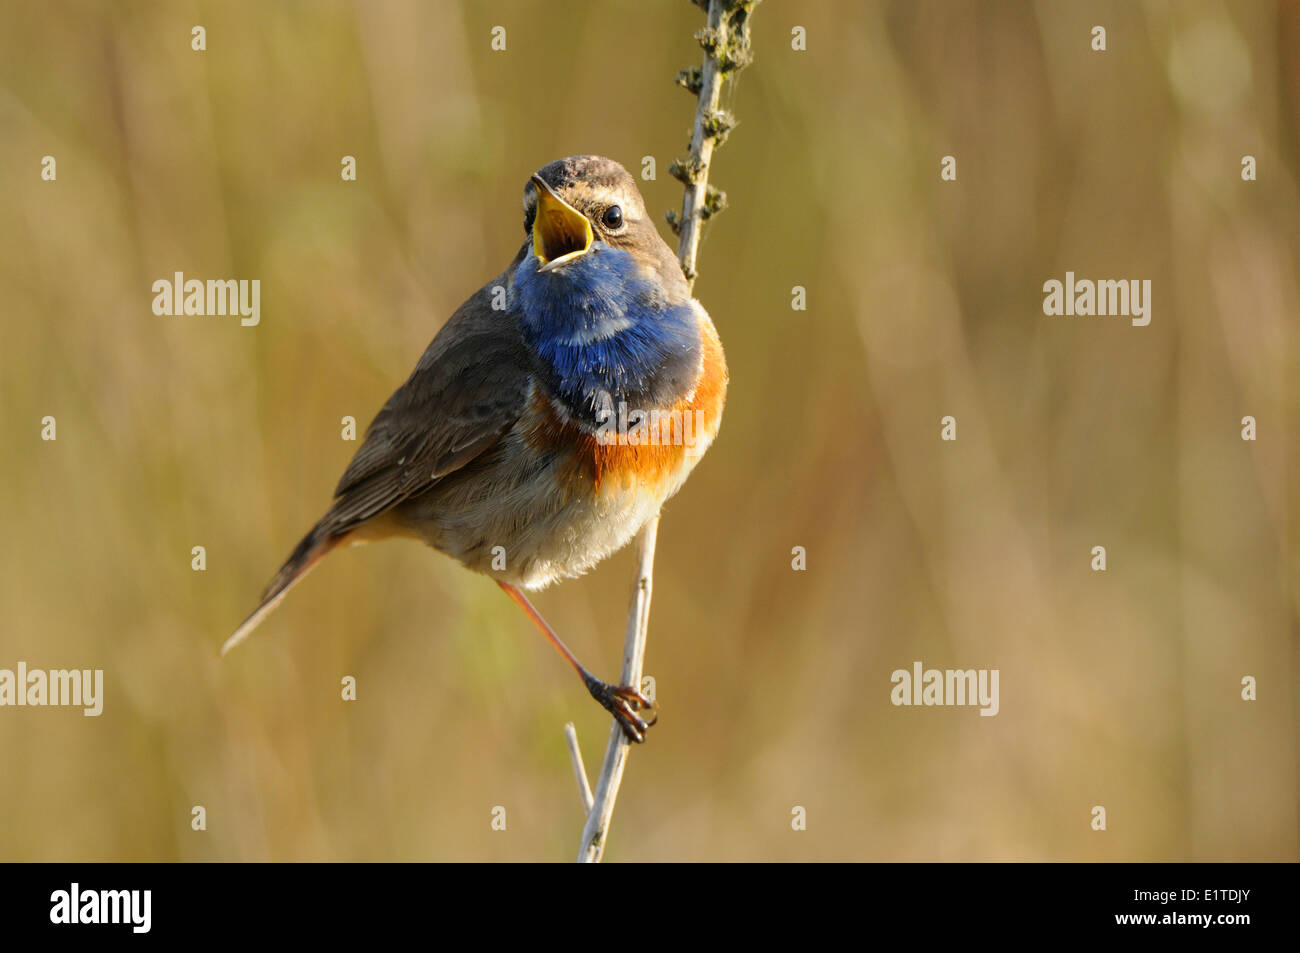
{"points": [[560, 232]]}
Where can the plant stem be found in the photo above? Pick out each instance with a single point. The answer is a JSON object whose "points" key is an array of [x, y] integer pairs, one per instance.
{"points": [[725, 40]]}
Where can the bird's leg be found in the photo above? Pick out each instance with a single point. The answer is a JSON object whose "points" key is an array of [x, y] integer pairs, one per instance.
{"points": [[621, 701]]}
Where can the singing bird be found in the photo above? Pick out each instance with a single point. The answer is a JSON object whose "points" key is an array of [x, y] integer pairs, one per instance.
{"points": [[550, 417]]}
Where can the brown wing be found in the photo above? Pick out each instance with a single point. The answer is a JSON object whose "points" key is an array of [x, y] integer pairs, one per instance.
{"points": [[468, 389]]}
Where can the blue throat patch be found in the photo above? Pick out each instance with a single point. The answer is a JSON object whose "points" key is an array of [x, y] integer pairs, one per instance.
{"points": [[607, 333]]}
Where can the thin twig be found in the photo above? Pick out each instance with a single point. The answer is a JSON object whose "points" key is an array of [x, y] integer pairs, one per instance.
{"points": [[579, 769], [725, 40], [611, 771]]}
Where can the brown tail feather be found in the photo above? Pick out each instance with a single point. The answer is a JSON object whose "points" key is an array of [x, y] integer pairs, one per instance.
{"points": [[306, 555]]}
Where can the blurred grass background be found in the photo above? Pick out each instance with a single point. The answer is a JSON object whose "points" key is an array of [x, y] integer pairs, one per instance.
{"points": [[924, 299]]}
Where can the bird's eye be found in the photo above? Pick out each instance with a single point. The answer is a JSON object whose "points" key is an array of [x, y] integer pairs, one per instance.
{"points": [[612, 217]]}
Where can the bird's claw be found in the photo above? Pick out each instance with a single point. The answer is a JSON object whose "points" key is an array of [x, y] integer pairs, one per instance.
{"points": [[624, 702]]}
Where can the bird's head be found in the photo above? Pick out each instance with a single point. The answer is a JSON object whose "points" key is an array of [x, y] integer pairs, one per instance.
{"points": [[599, 294], [585, 205]]}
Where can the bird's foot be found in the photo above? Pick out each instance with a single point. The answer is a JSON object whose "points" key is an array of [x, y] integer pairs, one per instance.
{"points": [[624, 703]]}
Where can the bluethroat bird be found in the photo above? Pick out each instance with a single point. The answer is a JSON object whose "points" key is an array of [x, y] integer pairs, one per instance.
{"points": [[551, 416]]}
